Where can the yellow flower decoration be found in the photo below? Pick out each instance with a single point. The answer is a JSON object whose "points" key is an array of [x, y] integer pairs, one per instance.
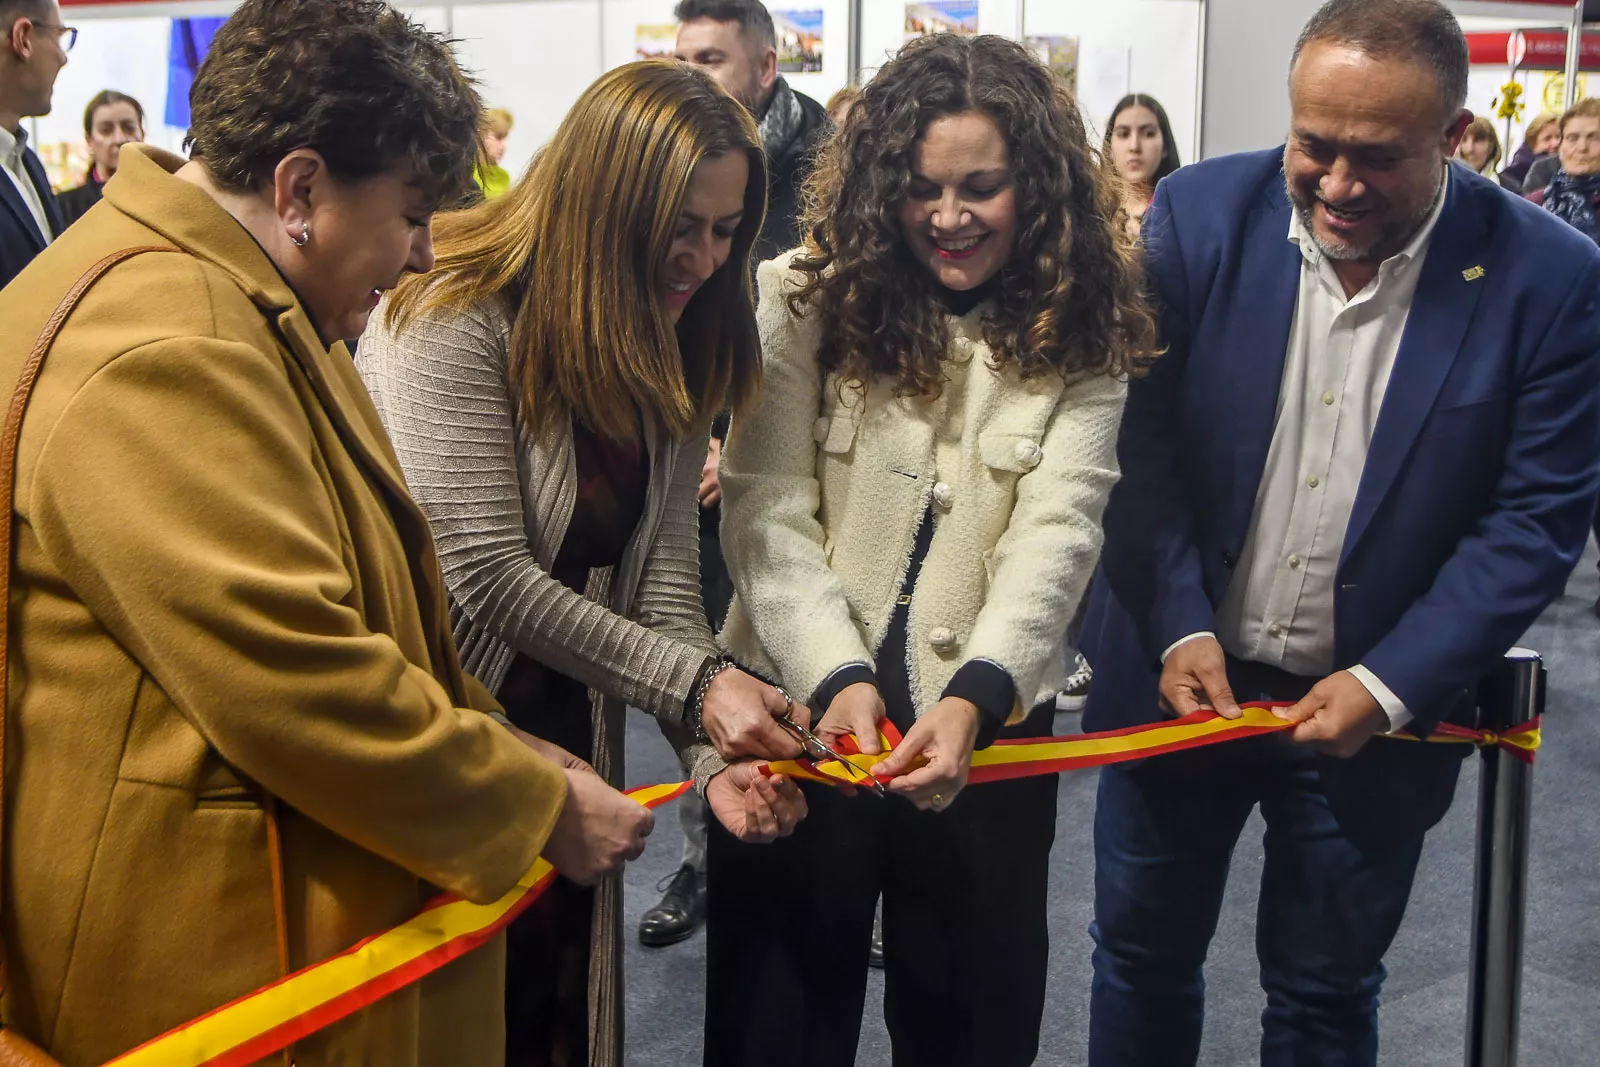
{"points": [[1510, 105]]}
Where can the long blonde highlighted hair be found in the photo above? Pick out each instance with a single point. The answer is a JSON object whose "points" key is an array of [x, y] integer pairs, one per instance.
{"points": [[577, 248]]}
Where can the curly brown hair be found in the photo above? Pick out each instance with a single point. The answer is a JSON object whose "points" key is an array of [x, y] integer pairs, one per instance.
{"points": [[363, 85], [1070, 299]]}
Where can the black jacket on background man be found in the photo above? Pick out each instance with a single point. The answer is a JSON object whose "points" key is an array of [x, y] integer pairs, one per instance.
{"points": [[791, 129], [75, 203]]}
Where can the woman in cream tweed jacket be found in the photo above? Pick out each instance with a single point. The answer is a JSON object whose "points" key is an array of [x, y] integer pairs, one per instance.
{"points": [[823, 497], [910, 517]]}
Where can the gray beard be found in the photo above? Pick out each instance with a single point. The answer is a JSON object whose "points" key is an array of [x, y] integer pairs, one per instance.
{"points": [[1382, 248]]}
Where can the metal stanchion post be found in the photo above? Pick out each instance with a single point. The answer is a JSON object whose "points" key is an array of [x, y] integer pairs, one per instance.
{"points": [[1574, 55], [1511, 696]]}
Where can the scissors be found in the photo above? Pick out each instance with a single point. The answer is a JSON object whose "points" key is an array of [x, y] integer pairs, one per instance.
{"points": [[817, 751]]}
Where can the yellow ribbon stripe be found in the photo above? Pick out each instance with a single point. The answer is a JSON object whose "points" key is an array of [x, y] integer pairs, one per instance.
{"points": [[1010, 759], [257, 1016], [257, 1025], [1181, 732], [272, 1018]]}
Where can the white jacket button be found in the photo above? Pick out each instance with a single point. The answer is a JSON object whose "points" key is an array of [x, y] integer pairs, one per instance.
{"points": [[819, 429], [1028, 454], [942, 638], [943, 495]]}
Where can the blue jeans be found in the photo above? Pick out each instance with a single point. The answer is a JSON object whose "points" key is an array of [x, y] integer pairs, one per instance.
{"points": [[1329, 908]]}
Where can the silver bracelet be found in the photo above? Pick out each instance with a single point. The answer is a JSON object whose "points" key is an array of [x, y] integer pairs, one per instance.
{"points": [[697, 705]]}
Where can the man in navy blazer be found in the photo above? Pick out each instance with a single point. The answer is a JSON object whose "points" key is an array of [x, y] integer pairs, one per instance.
{"points": [[33, 49], [1365, 464]]}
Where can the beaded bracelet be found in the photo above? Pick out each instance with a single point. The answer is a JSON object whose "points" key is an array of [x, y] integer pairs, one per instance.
{"points": [[697, 705]]}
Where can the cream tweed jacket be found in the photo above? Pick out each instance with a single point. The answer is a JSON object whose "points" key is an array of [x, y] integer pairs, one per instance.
{"points": [[823, 490]]}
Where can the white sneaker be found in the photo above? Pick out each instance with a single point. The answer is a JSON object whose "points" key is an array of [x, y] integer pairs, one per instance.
{"points": [[1075, 694]]}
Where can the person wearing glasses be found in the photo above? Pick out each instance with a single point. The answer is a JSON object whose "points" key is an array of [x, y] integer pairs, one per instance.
{"points": [[32, 53]]}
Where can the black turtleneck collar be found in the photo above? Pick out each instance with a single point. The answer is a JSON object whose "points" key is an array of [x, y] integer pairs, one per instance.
{"points": [[959, 302]]}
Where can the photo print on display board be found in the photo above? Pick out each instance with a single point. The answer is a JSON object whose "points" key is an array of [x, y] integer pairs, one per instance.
{"points": [[655, 40], [799, 40], [1060, 54], [925, 17]]}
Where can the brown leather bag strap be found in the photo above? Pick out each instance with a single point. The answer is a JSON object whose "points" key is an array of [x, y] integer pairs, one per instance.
{"points": [[8, 479], [8, 487]]}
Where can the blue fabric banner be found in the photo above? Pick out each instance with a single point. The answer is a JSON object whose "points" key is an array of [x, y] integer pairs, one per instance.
{"points": [[191, 39]]}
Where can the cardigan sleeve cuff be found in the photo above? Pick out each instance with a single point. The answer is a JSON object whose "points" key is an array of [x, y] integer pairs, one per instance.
{"points": [[837, 682], [986, 684]]}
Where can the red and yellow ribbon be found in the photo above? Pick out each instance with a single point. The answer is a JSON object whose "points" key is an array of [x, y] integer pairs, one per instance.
{"points": [[1005, 760], [277, 1015]]}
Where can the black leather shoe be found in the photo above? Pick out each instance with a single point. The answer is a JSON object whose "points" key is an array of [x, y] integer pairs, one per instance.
{"points": [[875, 953], [682, 907]]}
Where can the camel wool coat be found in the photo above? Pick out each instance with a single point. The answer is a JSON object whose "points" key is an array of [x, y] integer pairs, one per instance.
{"points": [[222, 588]]}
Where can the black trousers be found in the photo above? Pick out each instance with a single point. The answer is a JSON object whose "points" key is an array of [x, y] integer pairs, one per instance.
{"points": [[966, 941]]}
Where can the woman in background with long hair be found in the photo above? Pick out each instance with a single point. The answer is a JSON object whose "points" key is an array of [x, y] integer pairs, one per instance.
{"points": [[1140, 145]]}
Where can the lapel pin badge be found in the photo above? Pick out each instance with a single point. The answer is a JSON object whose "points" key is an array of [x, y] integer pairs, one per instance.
{"points": [[1472, 274]]}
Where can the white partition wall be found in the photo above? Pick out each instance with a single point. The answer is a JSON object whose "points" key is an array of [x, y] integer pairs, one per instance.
{"points": [[1248, 44], [1247, 48], [534, 57], [126, 54], [1131, 46]]}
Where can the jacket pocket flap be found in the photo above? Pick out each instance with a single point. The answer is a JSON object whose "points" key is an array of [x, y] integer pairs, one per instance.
{"points": [[1004, 451]]}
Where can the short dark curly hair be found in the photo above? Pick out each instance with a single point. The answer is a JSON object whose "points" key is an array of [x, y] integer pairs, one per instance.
{"points": [[1070, 299], [355, 80]]}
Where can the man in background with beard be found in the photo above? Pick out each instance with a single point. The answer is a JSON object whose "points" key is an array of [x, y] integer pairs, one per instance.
{"points": [[1363, 467], [736, 43]]}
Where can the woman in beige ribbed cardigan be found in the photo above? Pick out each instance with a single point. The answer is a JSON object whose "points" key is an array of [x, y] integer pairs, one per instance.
{"points": [[549, 391]]}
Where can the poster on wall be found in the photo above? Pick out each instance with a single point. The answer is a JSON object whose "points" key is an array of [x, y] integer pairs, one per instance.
{"points": [[941, 16], [66, 163], [799, 40], [1553, 98], [655, 40], [1060, 54]]}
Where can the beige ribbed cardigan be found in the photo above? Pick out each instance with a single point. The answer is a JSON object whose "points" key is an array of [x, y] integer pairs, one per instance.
{"points": [[500, 495]]}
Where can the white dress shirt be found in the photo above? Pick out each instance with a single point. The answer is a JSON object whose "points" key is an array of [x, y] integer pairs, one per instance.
{"points": [[1278, 608], [12, 146]]}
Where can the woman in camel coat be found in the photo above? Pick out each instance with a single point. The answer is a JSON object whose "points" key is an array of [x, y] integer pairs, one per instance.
{"points": [[223, 595]]}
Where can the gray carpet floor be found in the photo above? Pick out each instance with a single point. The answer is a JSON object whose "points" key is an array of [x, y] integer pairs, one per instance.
{"points": [[1423, 1014]]}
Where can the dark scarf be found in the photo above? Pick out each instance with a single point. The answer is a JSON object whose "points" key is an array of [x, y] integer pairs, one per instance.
{"points": [[781, 124], [1572, 201]]}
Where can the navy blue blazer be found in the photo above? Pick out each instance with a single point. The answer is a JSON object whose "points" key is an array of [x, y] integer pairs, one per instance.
{"points": [[20, 239], [1482, 473]]}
